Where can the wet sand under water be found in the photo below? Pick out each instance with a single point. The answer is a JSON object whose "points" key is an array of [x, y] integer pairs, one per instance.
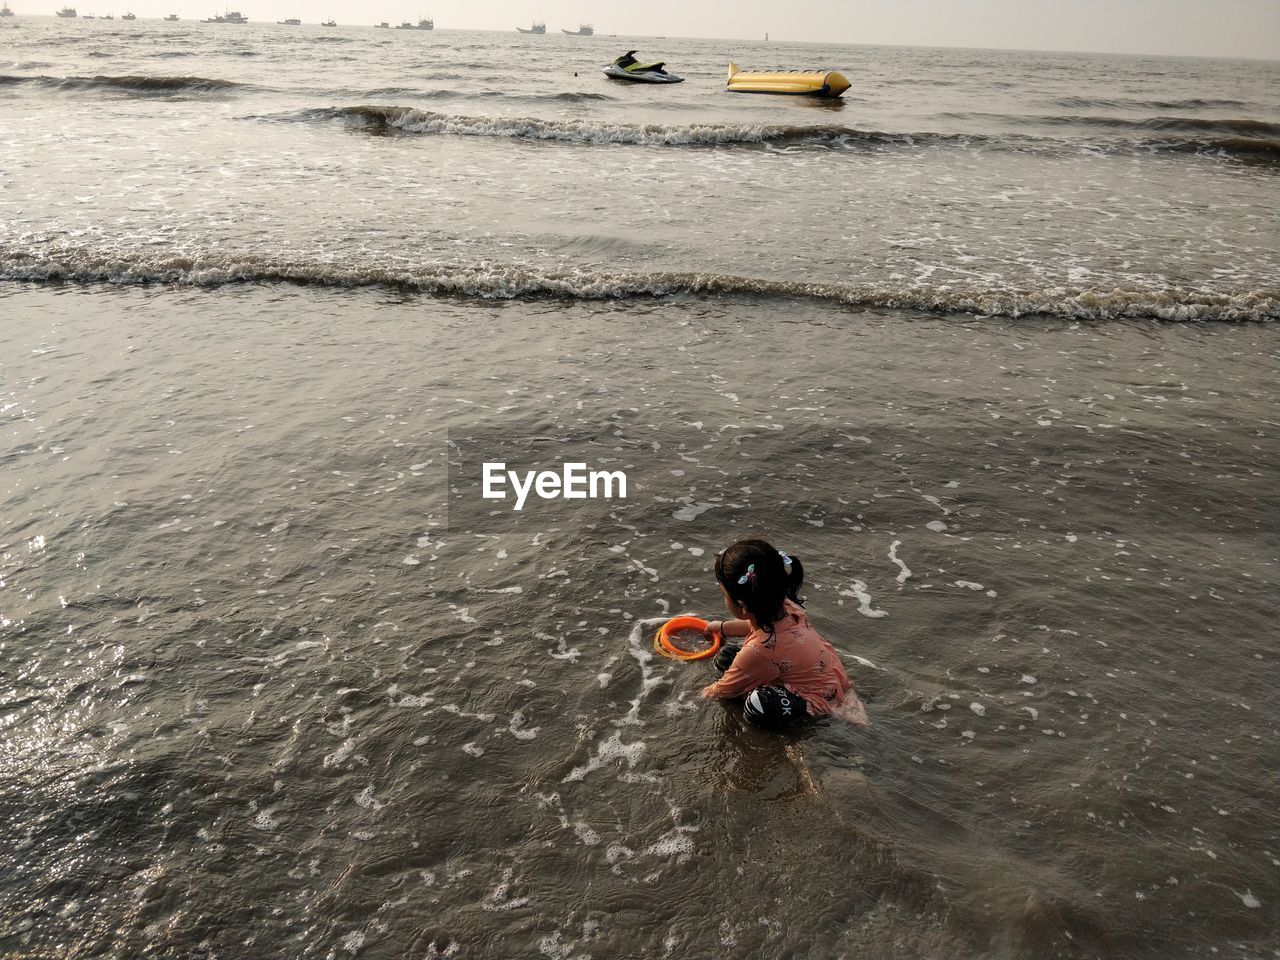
{"points": [[270, 688]]}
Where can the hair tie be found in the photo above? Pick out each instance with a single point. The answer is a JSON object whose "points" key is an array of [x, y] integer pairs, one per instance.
{"points": [[786, 562], [749, 575]]}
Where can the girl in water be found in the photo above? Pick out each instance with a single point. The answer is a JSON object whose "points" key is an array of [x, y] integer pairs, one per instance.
{"points": [[783, 668]]}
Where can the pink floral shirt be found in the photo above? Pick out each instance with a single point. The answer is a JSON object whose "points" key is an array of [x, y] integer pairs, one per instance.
{"points": [[797, 658]]}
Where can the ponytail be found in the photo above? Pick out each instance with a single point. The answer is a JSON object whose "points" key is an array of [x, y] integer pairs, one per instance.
{"points": [[761, 579]]}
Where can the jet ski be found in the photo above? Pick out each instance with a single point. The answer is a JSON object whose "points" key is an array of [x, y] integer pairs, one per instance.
{"points": [[627, 67]]}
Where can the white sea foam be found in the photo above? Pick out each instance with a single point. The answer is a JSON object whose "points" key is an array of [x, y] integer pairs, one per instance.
{"points": [[617, 852], [610, 750], [420, 700], [516, 725], [340, 755], [644, 656], [859, 592], [893, 555], [562, 650], [692, 511], [500, 898], [675, 843], [353, 941]]}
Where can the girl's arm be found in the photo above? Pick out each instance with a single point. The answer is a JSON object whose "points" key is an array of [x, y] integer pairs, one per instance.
{"points": [[750, 669], [730, 628]]}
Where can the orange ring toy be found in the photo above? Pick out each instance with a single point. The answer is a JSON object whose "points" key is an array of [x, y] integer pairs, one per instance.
{"points": [[662, 642]]}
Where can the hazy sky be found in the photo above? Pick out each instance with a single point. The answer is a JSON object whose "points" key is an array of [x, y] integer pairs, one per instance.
{"points": [[1243, 28]]}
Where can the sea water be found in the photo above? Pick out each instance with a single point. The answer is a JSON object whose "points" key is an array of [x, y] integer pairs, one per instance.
{"points": [[986, 343]]}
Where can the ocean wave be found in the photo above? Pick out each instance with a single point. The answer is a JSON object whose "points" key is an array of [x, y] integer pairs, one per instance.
{"points": [[1221, 126], [1127, 103], [138, 84], [1240, 127], [384, 119], [1248, 149], [1244, 140], [575, 97], [473, 94], [503, 282]]}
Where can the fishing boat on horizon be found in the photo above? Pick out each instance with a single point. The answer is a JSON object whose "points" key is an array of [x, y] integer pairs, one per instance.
{"points": [[538, 27], [426, 23], [67, 12], [329, 23], [584, 30], [172, 18], [291, 22], [232, 16], [128, 16], [5, 11]]}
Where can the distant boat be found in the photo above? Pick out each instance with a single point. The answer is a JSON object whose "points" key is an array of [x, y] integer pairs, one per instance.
{"points": [[584, 30], [329, 23], [291, 22], [425, 24], [5, 11], [538, 28], [172, 18], [234, 16], [128, 16], [67, 12], [384, 25]]}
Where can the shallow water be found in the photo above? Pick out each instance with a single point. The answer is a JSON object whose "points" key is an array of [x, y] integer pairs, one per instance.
{"points": [[491, 164], [271, 690], [986, 344]]}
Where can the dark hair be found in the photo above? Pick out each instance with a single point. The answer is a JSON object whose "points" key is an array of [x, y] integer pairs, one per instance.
{"points": [[767, 579]]}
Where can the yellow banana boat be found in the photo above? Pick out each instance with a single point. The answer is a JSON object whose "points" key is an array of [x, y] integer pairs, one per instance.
{"points": [[808, 83]]}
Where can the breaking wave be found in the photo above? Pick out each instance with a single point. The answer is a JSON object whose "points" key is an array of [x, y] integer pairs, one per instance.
{"points": [[1222, 127], [1248, 140], [499, 282], [133, 84], [1128, 103]]}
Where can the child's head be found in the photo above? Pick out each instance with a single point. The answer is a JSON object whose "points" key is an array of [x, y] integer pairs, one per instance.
{"points": [[756, 579]]}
